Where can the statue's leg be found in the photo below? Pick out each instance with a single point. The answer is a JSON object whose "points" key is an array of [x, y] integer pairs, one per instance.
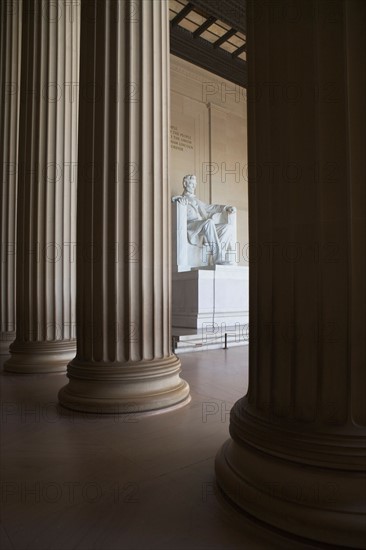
{"points": [[212, 240], [225, 235]]}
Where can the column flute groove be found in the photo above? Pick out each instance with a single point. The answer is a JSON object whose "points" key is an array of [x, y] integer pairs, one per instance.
{"points": [[296, 457], [45, 335], [124, 362], [10, 52]]}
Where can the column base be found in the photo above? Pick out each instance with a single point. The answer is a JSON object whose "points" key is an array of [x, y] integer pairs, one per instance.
{"points": [[40, 357], [324, 503], [132, 388], [6, 339]]}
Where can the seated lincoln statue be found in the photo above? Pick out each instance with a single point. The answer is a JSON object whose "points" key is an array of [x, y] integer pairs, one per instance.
{"points": [[208, 227]]}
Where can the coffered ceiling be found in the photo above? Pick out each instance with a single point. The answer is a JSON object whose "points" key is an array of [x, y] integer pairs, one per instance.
{"points": [[212, 35]]}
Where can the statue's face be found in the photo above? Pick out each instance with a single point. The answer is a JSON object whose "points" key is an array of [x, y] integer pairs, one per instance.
{"points": [[191, 184]]}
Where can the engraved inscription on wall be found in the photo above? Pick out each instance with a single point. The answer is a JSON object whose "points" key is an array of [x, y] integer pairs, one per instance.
{"points": [[180, 141]]}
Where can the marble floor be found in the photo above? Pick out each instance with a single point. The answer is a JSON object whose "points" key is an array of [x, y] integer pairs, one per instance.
{"points": [[87, 482]]}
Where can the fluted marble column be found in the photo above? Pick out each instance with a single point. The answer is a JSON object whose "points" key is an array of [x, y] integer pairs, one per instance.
{"points": [[297, 456], [10, 45], [45, 295], [124, 361]]}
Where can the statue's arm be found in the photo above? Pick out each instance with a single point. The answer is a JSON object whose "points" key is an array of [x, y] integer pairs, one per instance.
{"points": [[214, 208], [219, 208]]}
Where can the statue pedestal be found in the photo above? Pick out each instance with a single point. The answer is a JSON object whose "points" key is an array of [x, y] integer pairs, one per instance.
{"points": [[216, 297]]}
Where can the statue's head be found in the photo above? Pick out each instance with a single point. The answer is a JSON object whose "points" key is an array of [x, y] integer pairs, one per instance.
{"points": [[190, 183]]}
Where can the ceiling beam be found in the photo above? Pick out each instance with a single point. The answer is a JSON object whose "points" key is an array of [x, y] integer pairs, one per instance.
{"points": [[210, 21], [224, 37], [202, 53], [231, 12], [240, 50], [182, 14]]}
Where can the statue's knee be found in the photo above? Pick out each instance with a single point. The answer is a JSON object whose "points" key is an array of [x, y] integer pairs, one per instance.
{"points": [[209, 224]]}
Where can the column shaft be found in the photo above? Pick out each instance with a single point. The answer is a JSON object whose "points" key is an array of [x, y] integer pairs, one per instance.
{"points": [[297, 455], [10, 47], [124, 361], [45, 335]]}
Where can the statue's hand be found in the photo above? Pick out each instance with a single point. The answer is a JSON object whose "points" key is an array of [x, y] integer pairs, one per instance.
{"points": [[180, 199], [230, 209]]}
